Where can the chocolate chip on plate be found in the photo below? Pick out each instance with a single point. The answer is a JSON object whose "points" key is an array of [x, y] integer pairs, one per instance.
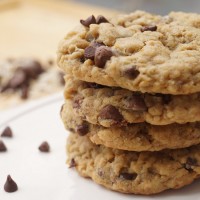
{"points": [[2, 146], [131, 72], [101, 19], [10, 185], [111, 112], [82, 129], [102, 55], [7, 132], [44, 147], [90, 20], [149, 28], [128, 176]]}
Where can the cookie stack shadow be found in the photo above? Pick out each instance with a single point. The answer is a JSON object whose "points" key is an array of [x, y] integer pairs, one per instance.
{"points": [[132, 112]]}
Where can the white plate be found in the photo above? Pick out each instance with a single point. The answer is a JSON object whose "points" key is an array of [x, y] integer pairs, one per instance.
{"points": [[45, 176]]}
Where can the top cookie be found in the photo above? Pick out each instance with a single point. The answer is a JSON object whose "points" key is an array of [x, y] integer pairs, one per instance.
{"points": [[139, 52]]}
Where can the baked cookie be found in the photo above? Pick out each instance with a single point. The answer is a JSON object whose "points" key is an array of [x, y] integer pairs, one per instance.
{"points": [[134, 137], [116, 106], [26, 79], [134, 172], [139, 51]]}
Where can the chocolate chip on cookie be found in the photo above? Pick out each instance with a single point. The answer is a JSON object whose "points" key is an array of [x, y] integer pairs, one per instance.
{"points": [[149, 28], [2, 147], [77, 102], [10, 185], [7, 132], [112, 113], [131, 72], [101, 19], [136, 103], [88, 21], [128, 176], [190, 162], [82, 129], [102, 55], [72, 163], [89, 52]]}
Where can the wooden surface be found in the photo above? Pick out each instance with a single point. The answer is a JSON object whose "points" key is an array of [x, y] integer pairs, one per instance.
{"points": [[34, 27]]}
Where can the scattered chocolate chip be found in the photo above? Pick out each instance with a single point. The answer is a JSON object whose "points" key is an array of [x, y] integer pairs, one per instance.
{"points": [[149, 28], [128, 176], [2, 147], [101, 19], [24, 92], [82, 129], [111, 112], [88, 21], [61, 76], [44, 147], [136, 103], [131, 72], [102, 55], [10, 185], [72, 163], [7, 132]]}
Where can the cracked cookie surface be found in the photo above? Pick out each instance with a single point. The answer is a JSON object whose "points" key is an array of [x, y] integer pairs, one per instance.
{"points": [[134, 172], [131, 107], [141, 52], [134, 137]]}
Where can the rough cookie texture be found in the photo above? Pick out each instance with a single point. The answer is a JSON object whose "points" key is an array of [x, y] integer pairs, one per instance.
{"points": [[134, 172], [134, 137], [156, 109], [162, 54]]}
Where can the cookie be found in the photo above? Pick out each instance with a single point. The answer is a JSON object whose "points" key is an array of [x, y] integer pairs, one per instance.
{"points": [[116, 106], [134, 172], [26, 79], [134, 137], [139, 51]]}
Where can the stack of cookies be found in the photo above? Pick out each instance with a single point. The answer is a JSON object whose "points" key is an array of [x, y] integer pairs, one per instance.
{"points": [[132, 101]]}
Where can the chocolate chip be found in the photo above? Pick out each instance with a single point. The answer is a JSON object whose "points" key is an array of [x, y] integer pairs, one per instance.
{"points": [[82, 129], [101, 19], [131, 72], [112, 113], [2, 147], [10, 185], [88, 21], [44, 147], [7, 132], [102, 55], [77, 102], [149, 28], [72, 163], [128, 176], [136, 103], [89, 52], [24, 92]]}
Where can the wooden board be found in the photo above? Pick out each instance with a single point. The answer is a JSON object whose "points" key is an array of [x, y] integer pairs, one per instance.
{"points": [[34, 27]]}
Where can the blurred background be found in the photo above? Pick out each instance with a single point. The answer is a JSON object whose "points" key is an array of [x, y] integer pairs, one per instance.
{"points": [[32, 29]]}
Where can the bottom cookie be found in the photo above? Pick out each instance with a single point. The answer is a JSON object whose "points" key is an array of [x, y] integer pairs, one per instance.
{"points": [[134, 172]]}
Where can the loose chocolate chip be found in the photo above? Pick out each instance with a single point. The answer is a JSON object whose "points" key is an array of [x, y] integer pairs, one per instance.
{"points": [[72, 163], [89, 52], [128, 176], [7, 132], [112, 113], [102, 55], [10, 185], [149, 28], [101, 19], [88, 21], [136, 103], [82, 129], [24, 92], [131, 72], [2, 147], [44, 147]]}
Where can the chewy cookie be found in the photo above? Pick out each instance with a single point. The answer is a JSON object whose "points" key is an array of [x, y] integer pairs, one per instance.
{"points": [[134, 172], [140, 52], [116, 106], [134, 137]]}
